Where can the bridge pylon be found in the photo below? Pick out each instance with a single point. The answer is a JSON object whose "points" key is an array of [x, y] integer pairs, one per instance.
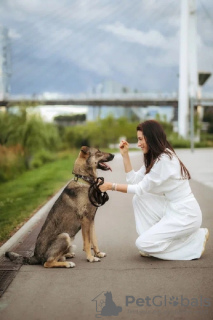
{"points": [[188, 75]]}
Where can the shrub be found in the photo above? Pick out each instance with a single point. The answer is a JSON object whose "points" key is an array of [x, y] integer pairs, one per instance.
{"points": [[42, 157], [100, 133], [11, 162]]}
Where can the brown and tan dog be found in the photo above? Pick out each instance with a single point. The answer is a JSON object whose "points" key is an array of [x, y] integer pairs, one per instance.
{"points": [[72, 211]]}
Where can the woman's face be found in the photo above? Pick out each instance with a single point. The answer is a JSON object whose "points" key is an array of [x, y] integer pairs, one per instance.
{"points": [[142, 142]]}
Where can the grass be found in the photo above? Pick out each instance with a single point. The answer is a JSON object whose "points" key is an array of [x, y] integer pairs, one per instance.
{"points": [[20, 198]]}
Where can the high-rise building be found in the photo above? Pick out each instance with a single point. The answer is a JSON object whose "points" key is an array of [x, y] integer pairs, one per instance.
{"points": [[5, 63]]}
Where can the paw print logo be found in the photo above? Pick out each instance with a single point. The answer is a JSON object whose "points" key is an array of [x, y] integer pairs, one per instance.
{"points": [[173, 301]]}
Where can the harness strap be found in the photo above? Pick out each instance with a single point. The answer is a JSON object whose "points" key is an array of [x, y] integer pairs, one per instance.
{"points": [[96, 197]]}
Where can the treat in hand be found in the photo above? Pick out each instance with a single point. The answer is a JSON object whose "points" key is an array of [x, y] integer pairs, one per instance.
{"points": [[122, 144]]}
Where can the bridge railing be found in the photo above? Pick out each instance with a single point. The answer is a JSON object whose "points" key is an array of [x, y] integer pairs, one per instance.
{"points": [[92, 96]]}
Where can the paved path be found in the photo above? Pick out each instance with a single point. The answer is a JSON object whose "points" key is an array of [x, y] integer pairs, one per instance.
{"points": [[153, 289]]}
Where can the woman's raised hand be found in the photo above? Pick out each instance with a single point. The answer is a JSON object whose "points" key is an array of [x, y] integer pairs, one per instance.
{"points": [[124, 147]]}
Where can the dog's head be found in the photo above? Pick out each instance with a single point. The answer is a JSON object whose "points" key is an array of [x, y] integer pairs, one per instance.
{"points": [[90, 159]]}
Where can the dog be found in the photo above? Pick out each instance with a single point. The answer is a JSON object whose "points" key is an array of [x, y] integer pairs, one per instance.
{"points": [[75, 209]]}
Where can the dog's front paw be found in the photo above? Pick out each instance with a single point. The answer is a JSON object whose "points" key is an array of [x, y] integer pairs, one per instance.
{"points": [[93, 259], [70, 264], [100, 254]]}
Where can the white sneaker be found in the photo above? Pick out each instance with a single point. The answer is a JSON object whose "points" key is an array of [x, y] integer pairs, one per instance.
{"points": [[205, 241], [144, 254]]}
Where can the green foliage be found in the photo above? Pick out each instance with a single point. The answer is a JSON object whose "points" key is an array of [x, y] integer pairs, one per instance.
{"points": [[28, 130], [35, 134], [100, 133], [41, 157], [32, 134], [27, 142], [19, 198], [178, 142], [11, 162], [8, 125], [208, 117], [210, 128], [70, 118]]}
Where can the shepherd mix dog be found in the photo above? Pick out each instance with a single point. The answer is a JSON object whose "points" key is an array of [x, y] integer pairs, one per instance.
{"points": [[71, 212]]}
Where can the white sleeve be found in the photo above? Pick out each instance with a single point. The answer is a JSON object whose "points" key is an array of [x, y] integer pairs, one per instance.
{"points": [[133, 177], [161, 171]]}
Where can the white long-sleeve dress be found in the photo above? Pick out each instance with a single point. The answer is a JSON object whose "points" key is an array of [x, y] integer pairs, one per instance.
{"points": [[167, 215]]}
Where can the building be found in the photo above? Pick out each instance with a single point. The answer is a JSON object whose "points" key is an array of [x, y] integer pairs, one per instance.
{"points": [[5, 63], [101, 112], [137, 113]]}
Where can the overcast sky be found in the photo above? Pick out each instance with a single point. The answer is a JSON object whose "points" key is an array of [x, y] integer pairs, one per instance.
{"points": [[68, 46]]}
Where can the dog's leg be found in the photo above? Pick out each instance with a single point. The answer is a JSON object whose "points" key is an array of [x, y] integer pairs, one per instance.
{"points": [[71, 253], [94, 241], [85, 226], [51, 263], [57, 251]]}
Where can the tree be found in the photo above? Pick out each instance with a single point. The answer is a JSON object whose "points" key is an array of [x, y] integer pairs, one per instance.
{"points": [[29, 131]]}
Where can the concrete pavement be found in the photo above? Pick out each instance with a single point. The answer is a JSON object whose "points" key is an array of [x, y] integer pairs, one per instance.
{"points": [[144, 288]]}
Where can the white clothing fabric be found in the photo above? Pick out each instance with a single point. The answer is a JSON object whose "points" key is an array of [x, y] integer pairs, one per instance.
{"points": [[167, 215]]}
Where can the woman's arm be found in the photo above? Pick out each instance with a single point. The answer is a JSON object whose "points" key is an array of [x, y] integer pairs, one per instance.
{"points": [[162, 170], [132, 176], [114, 187], [124, 150]]}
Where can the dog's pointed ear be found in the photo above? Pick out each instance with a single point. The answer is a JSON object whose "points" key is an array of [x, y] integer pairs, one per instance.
{"points": [[84, 151]]}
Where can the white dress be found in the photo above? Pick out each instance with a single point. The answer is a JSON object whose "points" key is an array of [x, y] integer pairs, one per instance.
{"points": [[167, 215]]}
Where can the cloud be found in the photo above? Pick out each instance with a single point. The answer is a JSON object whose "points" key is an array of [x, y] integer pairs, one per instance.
{"points": [[48, 113], [71, 45], [13, 34], [152, 38]]}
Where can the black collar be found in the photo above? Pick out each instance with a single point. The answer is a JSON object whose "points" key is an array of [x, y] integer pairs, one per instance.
{"points": [[85, 178]]}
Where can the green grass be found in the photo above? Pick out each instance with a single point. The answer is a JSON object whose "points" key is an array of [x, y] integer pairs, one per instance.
{"points": [[21, 197]]}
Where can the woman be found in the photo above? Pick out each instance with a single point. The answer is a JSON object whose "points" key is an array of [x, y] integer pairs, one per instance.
{"points": [[167, 215]]}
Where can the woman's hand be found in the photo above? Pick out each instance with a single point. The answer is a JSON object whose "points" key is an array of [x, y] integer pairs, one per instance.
{"points": [[105, 186], [124, 147], [114, 187], [124, 150]]}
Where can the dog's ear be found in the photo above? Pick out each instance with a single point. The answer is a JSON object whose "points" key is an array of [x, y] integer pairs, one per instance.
{"points": [[84, 152]]}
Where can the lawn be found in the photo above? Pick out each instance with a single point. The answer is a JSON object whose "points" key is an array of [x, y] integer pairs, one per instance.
{"points": [[21, 197]]}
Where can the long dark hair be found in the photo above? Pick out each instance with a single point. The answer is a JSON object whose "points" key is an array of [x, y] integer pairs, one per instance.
{"points": [[157, 143]]}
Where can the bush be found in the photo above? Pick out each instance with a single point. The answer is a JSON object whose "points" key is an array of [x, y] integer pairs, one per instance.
{"points": [[21, 136], [42, 157], [11, 162], [100, 133]]}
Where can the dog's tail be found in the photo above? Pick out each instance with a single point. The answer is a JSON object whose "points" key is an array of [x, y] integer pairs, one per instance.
{"points": [[20, 259]]}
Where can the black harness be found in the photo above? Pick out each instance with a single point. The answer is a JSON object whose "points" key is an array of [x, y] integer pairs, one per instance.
{"points": [[96, 197]]}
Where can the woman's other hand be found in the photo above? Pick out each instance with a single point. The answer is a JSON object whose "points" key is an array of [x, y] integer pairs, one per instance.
{"points": [[105, 186], [124, 147]]}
